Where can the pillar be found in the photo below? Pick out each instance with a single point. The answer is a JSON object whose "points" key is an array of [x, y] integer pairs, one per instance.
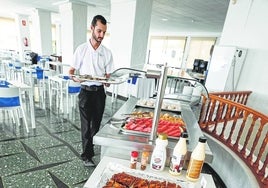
{"points": [[22, 22], [73, 28], [58, 39], [130, 24], [42, 43]]}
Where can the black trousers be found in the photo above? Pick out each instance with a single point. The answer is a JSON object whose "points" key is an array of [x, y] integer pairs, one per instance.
{"points": [[91, 107]]}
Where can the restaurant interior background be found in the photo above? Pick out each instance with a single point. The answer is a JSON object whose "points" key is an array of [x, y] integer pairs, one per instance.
{"points": [[243, 26]]}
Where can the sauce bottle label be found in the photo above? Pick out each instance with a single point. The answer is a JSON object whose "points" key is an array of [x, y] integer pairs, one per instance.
{"points": [[194, 169], [157, 160], [176, 164]]}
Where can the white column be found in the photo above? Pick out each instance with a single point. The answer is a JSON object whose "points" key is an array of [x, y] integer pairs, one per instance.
{"points": [[130, 24], [42, 43], [186, 53], [73, 28], [22, 22], [58, 39]]}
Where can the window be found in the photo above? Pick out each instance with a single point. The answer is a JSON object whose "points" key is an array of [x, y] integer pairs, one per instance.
{"points": [[8, 34], [166, 50], [199, 49]]}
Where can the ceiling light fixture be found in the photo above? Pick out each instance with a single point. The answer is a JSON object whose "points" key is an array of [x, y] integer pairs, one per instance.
{"points": [[72, 1], [234, 1], [164, 19]]}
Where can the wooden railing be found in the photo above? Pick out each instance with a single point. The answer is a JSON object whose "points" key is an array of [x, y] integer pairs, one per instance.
{"points": [[236, 96], [242, 129]]}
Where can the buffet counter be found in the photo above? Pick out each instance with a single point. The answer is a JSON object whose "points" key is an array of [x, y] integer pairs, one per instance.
{"points": [[115, 143], [110, 165]]}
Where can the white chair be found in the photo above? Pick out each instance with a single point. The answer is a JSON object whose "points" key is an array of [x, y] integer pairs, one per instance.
{"points": [[10, 100], [57, 87], [72, 91], [35, 77]]}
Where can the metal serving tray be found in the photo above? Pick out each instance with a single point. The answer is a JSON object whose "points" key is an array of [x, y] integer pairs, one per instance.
{"points": [[120, 124]]}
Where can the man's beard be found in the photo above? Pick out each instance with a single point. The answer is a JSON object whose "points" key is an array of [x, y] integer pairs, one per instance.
{"points": [[97, 39]]}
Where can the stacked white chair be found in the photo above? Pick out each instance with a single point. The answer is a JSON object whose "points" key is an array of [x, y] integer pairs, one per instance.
{"points": [[10, 100]]}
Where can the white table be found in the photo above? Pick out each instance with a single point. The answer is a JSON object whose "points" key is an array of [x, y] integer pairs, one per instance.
{"points": [[29, 89], [207, 181]]}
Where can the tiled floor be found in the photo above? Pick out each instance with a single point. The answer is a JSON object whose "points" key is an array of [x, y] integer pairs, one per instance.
{"points": [[50, 155]]}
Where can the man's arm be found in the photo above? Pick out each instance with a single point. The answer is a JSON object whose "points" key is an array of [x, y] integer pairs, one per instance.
{"points": [[107, 76], [71, 73]]}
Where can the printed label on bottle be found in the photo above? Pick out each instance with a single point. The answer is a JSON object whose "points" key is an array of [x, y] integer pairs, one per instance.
{"points": [[133, 160], [157, 160], [176, 164], [194, 168], [144, 160]]}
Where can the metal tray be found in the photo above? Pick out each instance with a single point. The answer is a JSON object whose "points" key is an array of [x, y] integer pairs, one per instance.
{"points": [[139, 133], [114, 168], [100, 79]]}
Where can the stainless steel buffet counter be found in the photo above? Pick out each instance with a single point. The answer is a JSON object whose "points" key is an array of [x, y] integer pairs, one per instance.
{"points": [[116, 144]]}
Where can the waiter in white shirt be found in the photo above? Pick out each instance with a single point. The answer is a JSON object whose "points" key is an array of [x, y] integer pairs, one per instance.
{"points": [[92, 58]]}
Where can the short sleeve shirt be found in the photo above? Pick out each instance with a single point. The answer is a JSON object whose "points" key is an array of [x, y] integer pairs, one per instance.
{"points": [[92, 62]]}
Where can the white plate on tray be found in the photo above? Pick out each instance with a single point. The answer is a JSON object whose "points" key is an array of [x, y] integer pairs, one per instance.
{"points": [[168, 106]]}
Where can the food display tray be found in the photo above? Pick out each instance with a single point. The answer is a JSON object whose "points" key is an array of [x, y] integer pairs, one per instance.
{"points": [[114, 168], [100, 79], [120, 125], [139, 133]]}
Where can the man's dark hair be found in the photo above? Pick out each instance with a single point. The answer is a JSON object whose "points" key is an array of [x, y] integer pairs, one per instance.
{"points": [[98, 18]]}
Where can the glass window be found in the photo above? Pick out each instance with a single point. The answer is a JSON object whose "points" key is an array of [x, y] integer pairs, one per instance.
{"points": [[8, 34], [166, 50], [199, 49]]}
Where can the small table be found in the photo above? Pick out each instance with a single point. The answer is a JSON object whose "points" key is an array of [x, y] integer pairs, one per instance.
{"points": [[95, 177]]}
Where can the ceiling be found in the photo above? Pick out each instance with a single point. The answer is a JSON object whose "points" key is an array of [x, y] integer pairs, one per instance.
{"points": [[168, 16]]}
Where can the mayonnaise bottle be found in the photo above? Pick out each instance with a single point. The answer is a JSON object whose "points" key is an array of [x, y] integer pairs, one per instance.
{"points": [[178, 156], [159, 155]]}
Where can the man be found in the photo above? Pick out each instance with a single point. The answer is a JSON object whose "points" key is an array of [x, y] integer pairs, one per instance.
{"points": [[92, 58]]}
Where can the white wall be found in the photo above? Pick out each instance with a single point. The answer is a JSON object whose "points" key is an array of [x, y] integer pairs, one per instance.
{"points": [[246, 26]]}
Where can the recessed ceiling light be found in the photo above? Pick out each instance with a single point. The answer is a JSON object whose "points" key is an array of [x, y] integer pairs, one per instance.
{"points": [[164, 19]]}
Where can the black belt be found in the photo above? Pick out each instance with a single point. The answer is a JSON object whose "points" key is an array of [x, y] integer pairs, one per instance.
{"points": [[91, 88]]}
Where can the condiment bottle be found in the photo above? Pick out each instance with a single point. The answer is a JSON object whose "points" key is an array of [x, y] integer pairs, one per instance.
{"points": [[196, 160], [159, 154], [144, 159], [134, 159], [178, 156]]}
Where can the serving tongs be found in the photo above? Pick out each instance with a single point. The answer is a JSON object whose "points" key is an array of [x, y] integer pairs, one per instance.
{"points": [[138, 114]]}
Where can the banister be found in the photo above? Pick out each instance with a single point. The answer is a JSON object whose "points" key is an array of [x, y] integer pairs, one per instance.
{"points": [[242, 129], [237, 96]]}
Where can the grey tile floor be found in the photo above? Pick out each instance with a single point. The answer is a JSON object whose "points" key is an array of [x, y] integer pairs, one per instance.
{"points": [[48, 156]]}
